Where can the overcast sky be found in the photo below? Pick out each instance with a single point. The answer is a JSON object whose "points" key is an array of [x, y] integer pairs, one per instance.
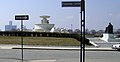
{"points": [[98, 13]]}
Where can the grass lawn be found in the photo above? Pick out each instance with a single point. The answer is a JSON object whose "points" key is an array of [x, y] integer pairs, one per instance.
{"points": [[43, 41]]}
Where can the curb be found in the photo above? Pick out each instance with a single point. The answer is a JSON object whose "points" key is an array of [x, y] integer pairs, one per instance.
{"points": [[76, 49], [49, 48]]}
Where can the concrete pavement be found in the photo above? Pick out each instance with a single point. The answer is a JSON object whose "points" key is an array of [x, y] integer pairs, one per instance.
{"points": [[52, 48]]}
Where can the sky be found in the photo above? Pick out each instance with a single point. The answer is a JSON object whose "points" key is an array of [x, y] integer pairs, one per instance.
{"points": [[98, 13]]}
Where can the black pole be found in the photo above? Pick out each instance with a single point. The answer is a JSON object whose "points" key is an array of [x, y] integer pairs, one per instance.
{"points": [[83, 8], [22, 40], [81, 40], [82, 51]]}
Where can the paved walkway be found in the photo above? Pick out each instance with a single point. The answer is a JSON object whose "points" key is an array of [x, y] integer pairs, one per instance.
{"points": [[97, 42]]}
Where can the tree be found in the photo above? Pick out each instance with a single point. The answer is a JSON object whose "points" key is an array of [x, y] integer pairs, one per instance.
{"points": [[70, 30], [118, 31], [77, 31], [93, 32], [87, 31], [100, 31]]}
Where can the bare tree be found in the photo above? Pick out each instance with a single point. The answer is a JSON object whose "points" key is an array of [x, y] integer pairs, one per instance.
{"points": [[77, 31], [93, 31]]}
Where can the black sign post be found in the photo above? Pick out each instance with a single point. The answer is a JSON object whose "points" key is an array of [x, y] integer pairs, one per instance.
{"points": [[80, 4], [21, 17], [82, 56]]}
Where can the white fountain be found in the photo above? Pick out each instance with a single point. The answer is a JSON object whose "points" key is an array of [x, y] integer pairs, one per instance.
{"points": [[44, 26]]}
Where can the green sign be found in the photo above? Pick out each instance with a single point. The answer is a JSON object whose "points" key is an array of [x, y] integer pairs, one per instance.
{"points": [[71, 3]]}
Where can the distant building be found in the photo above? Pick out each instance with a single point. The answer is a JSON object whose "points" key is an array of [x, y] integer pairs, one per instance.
{"points": [[10, 27]]}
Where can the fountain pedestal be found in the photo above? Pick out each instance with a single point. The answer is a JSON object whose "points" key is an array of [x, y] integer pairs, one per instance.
{"points": [[109, 37]]}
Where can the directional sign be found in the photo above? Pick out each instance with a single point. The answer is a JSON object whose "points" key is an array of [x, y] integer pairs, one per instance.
{"points": [[71, 3], [21, 17]]}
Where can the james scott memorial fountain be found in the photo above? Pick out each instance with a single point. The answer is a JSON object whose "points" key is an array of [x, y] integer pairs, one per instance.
{"points": [[109, 36], [44, 26]]}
